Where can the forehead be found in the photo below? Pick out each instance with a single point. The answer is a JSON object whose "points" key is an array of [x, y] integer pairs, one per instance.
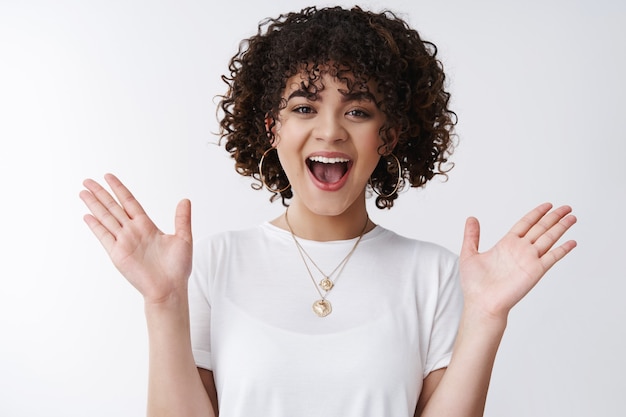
{"points": [[312, 80]]}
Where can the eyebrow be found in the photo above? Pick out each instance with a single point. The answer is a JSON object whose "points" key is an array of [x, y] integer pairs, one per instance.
{"points": [[352, 96]]}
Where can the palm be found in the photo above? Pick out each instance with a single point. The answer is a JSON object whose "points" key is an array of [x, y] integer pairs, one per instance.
{"points": [[499, 278], [155, 263]]}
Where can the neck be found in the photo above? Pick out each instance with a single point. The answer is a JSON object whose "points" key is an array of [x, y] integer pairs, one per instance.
{"points": [[321, 227]]}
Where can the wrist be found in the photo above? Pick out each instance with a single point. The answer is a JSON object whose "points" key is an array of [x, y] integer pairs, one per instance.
{"points": [[167, 318], [173, 300], [478, 318]]}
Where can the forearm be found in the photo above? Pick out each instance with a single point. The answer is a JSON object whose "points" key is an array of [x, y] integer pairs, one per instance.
{"points": [[462, 391], [175, 387]]}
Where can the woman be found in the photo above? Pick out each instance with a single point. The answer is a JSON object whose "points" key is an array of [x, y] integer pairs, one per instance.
{"points": [[320, 311]]}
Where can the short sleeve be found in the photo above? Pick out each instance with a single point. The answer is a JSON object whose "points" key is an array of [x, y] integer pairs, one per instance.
{"points": [[446, 319], [200, 306]]}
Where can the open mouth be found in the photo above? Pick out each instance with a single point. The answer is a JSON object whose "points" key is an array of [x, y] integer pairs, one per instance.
{"points": [[328, 170]]}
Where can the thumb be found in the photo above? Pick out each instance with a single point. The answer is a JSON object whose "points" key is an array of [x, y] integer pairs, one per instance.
{"points": [[182, 220], [471, 237]]}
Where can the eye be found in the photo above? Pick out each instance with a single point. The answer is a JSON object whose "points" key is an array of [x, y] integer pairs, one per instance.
{"points": [[303, 109], [358, 113]]}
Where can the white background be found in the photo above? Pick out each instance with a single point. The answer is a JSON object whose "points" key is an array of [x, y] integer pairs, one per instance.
{"points": [[88, 87]]}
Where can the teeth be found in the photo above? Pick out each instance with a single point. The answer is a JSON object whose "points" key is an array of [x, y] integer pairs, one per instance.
{"points": [[325, 160]]}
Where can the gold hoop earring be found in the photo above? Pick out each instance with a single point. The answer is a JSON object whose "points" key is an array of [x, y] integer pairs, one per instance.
{"points": [[262, 177], [398, 183]]}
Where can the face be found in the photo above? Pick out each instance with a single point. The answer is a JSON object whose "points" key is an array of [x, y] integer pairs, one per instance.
{"points": [[328, 144]]}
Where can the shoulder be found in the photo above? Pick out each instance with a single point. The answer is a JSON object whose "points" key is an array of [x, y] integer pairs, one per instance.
{"points": [[415, 248], [429, 265], [261, 235], [211, 252]]}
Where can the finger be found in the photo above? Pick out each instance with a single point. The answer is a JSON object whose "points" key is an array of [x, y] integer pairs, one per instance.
{"points": [[547, 222], [98, 210], [552, 235], [556, 254], [471, 237], [530, 219], [104, 204], [182, 221], [124, 196], [106, 238]]}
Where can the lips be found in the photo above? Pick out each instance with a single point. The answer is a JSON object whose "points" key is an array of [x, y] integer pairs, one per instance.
{"points": [[328, 169]]}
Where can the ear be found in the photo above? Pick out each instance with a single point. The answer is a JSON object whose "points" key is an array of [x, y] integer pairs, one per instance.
{"points": [[272, 127], [269, 120], [392, 136]]}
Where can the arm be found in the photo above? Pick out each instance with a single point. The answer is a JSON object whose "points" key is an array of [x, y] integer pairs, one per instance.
{"points": [[428, 387], [209, 385], [493, 282], [158, 266], [174, 384]]}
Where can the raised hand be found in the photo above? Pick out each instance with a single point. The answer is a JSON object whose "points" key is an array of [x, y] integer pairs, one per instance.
{"points": [[495, 280], [155, 263]]}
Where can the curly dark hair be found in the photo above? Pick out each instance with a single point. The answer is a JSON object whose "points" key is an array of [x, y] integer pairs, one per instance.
{"points": [[360, 46]]}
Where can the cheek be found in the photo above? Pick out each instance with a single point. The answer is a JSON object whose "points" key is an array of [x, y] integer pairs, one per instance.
{"points": [[287, 155], [373, 151], [375, 144]]}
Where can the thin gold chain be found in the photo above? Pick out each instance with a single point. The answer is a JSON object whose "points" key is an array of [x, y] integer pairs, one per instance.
{"points": [[339, 267]]}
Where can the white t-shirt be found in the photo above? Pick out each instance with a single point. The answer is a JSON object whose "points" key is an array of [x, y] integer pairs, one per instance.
{"points": [[396, 308]]}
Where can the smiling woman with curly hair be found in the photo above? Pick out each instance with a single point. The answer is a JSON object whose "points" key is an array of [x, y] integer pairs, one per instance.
{"points": [[320, 311], [369, 46]]}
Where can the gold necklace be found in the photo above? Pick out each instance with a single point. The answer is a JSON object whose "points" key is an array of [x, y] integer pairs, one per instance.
{"points": [[322, 307]]}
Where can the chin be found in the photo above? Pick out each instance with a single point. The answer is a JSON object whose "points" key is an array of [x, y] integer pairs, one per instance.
{"points": [[333, 205]]}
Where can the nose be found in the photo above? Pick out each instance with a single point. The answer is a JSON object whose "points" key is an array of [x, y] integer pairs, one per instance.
{"points": [[330, 128]]}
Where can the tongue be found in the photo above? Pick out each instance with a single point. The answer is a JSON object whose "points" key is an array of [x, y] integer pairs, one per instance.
{"points": [[329, 173]]}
